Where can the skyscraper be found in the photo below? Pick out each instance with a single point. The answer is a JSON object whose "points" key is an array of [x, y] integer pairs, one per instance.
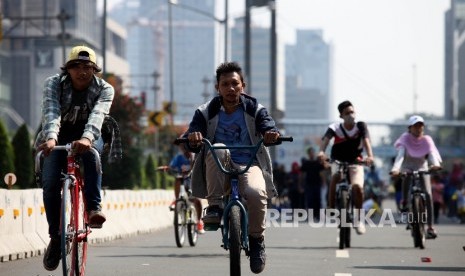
{"points": [[193, 51], [454, 74], [308, 76], [308, 91]]}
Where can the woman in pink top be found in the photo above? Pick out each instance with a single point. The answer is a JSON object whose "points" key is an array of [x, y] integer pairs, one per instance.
{"points": [[417, 151]]}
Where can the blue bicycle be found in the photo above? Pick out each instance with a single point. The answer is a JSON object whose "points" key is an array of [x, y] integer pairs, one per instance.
{"points": [[234, 223]]}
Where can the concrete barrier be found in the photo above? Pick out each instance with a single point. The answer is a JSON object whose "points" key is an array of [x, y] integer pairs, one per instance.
{"points": [[24, 227]]}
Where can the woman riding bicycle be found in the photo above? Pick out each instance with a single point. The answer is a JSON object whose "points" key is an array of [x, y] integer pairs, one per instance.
{"points": [[234, 118], [415, 151]]}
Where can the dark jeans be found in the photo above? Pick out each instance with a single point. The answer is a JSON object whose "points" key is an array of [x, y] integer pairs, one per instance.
{"points": [[313, 200], [53, 166]]}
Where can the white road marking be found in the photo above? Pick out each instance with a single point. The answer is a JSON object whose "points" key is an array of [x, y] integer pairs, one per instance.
{"points": [[342, 253], [342, 274]]}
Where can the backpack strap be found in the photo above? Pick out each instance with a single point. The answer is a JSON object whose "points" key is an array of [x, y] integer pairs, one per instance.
{"points": [[344, 132]]}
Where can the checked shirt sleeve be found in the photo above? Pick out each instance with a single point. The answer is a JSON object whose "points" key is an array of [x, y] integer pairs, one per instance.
{"points": [[51, 114], [92, 129]]}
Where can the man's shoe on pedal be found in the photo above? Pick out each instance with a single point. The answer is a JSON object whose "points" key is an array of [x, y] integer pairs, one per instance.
{"points": [[96, 219], [52, 255], [200, 227], [213, 215], [431, 233], [360, 228], [172, 205], [257, 254]]}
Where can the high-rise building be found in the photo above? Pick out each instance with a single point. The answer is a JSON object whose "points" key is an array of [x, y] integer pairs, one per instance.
{"points": [[35, 46], [308, 76], [454, 75], [308, 91], [258, 80], [148, 51]]}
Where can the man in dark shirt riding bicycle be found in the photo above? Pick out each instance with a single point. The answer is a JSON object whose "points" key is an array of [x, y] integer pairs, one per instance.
{"points": [[350, 138]]}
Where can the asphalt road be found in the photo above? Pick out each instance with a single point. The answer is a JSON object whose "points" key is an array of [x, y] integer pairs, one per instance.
{"points": [[299, 250]]}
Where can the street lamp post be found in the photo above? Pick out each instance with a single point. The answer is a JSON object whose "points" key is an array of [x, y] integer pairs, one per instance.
{"points": [[63, 16], [205, 93], [170, 43]]}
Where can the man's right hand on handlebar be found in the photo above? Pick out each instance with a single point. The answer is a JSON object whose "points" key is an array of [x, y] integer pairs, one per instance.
{"points": [[195, 139], [321, 157]]}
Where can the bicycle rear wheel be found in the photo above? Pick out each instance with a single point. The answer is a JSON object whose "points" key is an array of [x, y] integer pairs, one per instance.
{"points": [[344, 230], [418, 225], [80, 240], [180, 222], [235, 240], [66, 229], [192, 232]]}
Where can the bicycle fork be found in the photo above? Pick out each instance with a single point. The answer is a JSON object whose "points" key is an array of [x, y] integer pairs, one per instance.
{"points": [[235, 201], [346, 212]]}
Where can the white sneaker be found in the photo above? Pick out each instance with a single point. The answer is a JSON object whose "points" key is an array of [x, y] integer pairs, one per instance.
{"points": [[360, 229]]}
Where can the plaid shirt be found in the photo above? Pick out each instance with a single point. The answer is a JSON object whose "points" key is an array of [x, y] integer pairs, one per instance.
{"points": [[57, 98]]}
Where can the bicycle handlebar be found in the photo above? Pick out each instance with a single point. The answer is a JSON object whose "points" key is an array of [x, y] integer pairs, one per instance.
{"points": [[68, 148], [253, 149], [172, 171], [344, 163], [178, 141], [416, 172]]}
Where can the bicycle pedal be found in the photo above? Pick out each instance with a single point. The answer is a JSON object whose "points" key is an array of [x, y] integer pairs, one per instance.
{"points": [[211, 226]]}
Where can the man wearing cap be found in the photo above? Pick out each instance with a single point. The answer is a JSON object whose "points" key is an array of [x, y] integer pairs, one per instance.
{"points": [[74, 106], [415, 151]]}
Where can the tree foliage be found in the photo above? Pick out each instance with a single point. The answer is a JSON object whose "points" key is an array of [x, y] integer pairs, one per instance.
{"points": [[125, 174], [6, 152], [23, 158], [150, 172]]}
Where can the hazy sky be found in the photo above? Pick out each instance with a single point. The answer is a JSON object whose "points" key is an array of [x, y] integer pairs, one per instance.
{"points": [[384, 50]]}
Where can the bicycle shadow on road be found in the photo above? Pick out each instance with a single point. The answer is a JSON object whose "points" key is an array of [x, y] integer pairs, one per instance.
{"points": [[181, 256], [336, 248], [414, 268]]}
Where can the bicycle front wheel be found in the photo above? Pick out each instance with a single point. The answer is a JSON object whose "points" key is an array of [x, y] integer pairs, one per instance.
{"points": [[344, 229], [80, 240], [192, 232], [235, 240], [180, 223], [66, 229], [418, 225]]}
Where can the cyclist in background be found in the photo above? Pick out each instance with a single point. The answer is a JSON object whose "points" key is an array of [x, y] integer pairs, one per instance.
{"points": [[234, 118], [182, 163], [350, 138], [74, 106], [415, 151]]}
